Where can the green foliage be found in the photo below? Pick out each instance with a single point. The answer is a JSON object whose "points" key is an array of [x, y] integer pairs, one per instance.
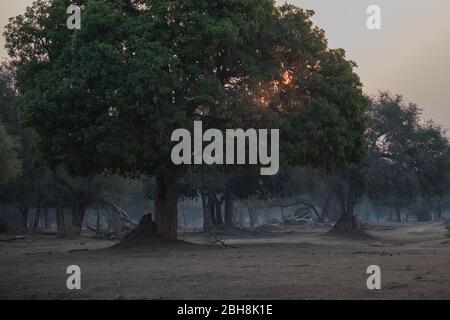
{"points": [[30, 186], [10, 164], [448, 232], [408, 158], [106, 98]]}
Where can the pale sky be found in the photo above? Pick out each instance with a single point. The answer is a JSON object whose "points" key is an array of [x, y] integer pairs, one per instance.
{"points": [[409, 56]]}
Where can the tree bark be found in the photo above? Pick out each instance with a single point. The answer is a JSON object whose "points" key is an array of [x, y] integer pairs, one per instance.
{"points": [[212, 209], [347, 222], [37, 217], [283, 216], [207, 217], [46, 223], [166, 214], [241, 217], [398, 214], [24, 213], [424, 212], [60, 219], [229, 209], [251, 215], [439, 209], [424, 216], [97, 223], [325, 209], [219, 217], [78, 212]]}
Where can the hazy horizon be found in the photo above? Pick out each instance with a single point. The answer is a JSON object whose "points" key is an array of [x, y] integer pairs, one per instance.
{"points": [[409, 56]]}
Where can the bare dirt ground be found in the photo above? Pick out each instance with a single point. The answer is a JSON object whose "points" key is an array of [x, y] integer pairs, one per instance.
{"points": [[293, 263]]}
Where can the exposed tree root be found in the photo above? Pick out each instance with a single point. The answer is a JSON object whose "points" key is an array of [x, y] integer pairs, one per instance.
{"points": [[145, 234], [349, 227]]}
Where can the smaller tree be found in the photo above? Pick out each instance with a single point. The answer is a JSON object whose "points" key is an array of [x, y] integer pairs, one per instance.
{"points": [[407, 160], [10, 164]]}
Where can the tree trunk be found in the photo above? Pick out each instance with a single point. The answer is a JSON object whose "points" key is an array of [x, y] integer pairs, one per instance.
{"points": [[24, 213], [398, 214], [424, 216], [283, 216], [240, 222], [325, 209], [115, 223], [78, 212], [229, 209], [63, 218], [166, 214], [97, 223], [219, 218], [46, 223], [251, 215], [60, 219], [212, 210], [424, 212], [207, 217], [347, 222], [37, 217], [439, 209]]}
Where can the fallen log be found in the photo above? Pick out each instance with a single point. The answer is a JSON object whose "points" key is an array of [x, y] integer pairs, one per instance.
{"points": [[77, 250], [106, 235], [46, 233], [123, 214], [17, 238]]}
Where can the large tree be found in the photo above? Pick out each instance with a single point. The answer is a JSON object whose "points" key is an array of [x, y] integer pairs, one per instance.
{"points": [[106, 98]]}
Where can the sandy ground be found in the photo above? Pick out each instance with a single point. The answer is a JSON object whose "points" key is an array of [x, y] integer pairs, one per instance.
{"points": [[295, 263]]}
